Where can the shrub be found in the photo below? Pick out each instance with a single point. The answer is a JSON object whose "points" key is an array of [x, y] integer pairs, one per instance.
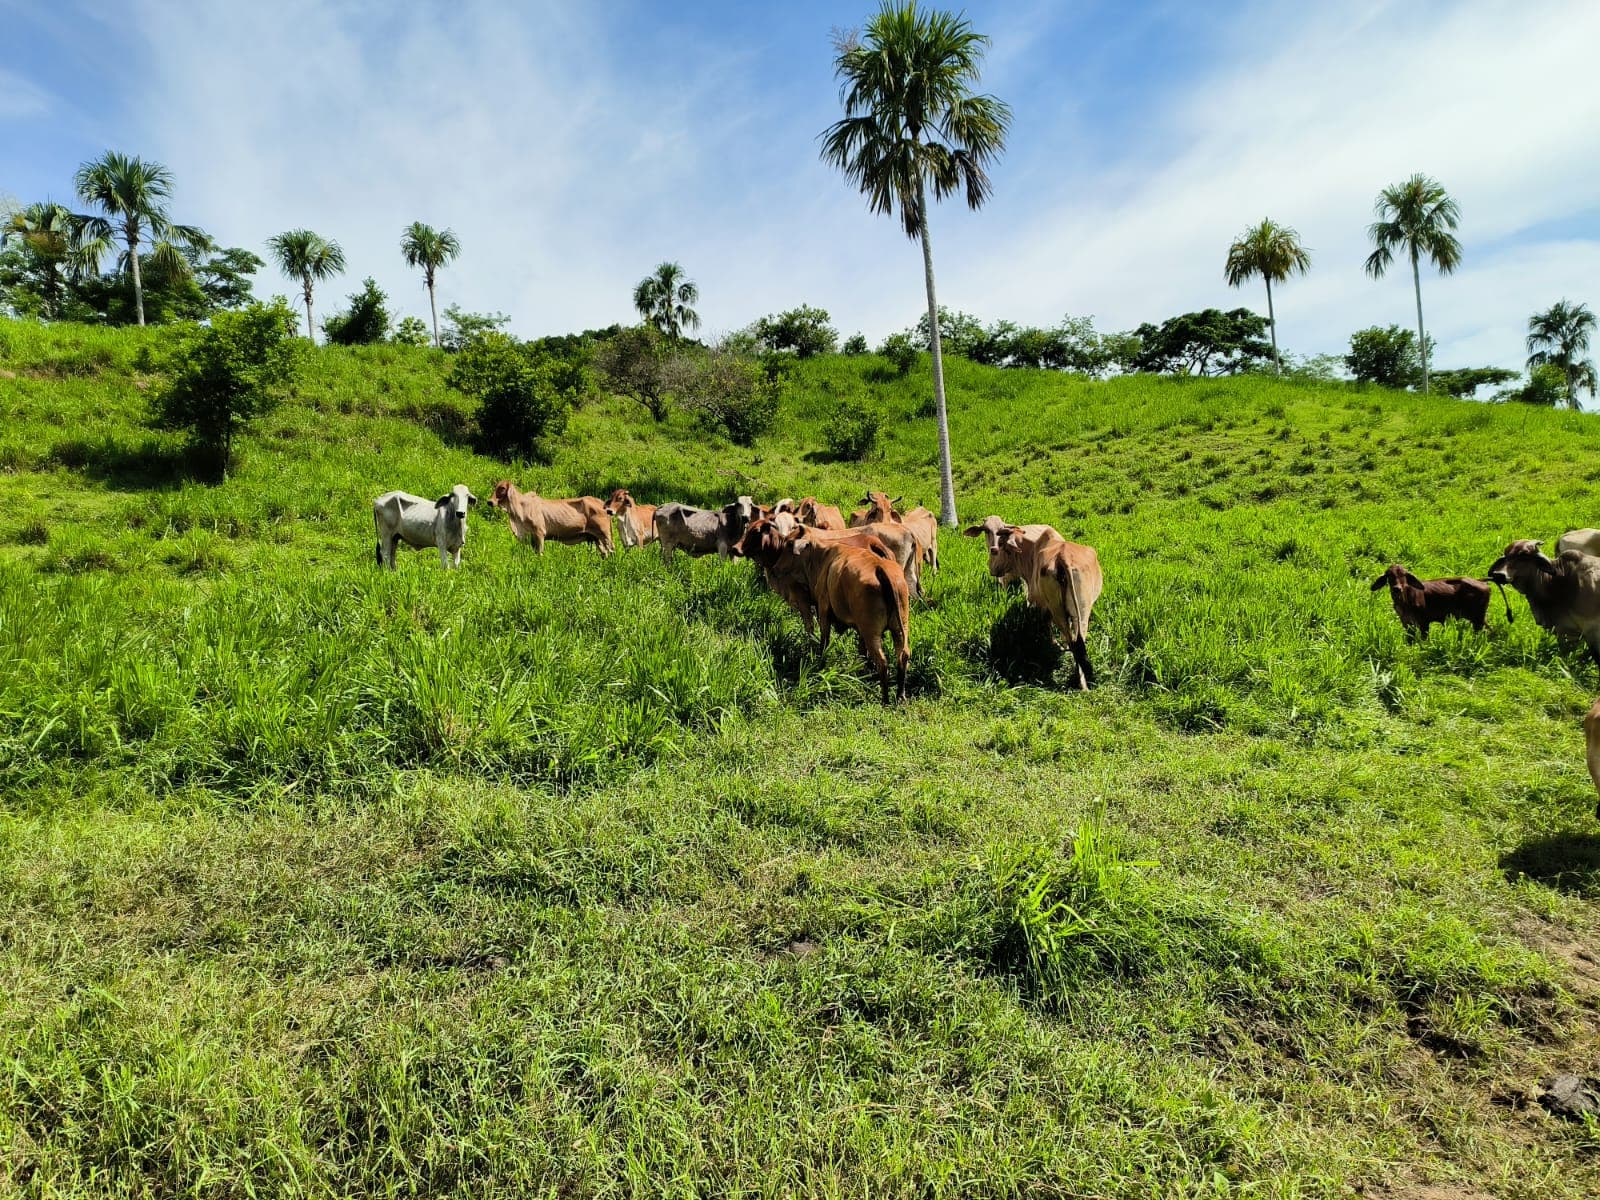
{"points": [[412, 331], [901, 352], [727, 392], [524, 396], [367, 320], [1464, 382], [852, 431], [804, 331], [463, 328], [855, 344], [222, 377], [959, 333], [1546, 386], [634, 363], [1387, 357]]}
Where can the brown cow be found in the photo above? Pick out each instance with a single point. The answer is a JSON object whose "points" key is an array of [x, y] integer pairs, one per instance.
{"points": [[1002, 562], [1421, 603], [637, 521], [766, 543], [536, 520], [820, 516], [902, 544], [879, 510], [924, 526], [1591, 739], [854, 587], [1064, 579]]}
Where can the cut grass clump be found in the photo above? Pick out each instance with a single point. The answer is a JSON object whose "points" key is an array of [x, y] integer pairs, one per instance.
{"points": [[1058, 920]]}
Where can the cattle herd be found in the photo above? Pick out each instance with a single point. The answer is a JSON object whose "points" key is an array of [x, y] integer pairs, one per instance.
{"points": [[861, 573], [858, 573]]}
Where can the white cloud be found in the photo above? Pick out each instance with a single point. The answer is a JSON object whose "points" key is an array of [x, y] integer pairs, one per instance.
{"points": [[570, 162], [20, 99]]}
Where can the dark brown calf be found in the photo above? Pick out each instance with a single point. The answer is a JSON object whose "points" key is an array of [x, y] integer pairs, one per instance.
{"points": [[1420, 603]]}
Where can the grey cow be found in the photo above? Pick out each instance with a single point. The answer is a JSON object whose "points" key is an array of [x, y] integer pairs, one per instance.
{"points": [[1562, 593], [418, 522], [698, 531]]}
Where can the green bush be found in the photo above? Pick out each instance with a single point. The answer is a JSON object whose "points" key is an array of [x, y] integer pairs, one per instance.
{"points": [[901, 352], [1546, 386], [805, 331], [735, 395], [524, 396], [221, 378], [1387, 357], [412, 331], [855, 344], [852, 431], [365, 323]]}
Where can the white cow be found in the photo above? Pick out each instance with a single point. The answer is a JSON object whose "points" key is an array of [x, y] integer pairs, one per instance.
{"points": [[402, 517]]}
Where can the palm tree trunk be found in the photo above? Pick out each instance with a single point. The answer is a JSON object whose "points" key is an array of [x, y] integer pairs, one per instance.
{"points": [[138, 283], [310, 336], [1272, 324], [1422, 337], [947, 483], [433, 308]]}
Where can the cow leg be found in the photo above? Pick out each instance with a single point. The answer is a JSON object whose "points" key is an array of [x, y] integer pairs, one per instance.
{"points": [[394, 547], [824, 618], [457, 557], [444, 558], [873, 649]]}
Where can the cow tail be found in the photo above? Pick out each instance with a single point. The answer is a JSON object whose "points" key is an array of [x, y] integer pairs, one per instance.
{"points": [[890, 603], [1506, 600], [1067, 580]]}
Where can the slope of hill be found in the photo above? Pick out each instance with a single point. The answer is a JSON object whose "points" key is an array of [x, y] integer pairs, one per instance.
{"points": [[562, 876]]}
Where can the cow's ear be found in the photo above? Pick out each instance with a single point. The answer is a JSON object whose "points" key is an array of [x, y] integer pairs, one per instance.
{"points": [[973, 531], [443, 501], [471, 499], [1381, 581]]}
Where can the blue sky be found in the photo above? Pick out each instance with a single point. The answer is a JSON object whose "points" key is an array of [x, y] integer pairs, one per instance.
{"points": [[572, 146]]}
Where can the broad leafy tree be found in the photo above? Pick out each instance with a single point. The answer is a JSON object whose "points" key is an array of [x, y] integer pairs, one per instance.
{"points": [[1385, 356], [1556, 338], [1273, 252], [664, 299], [913, 124], [805, 331], [430, 249], [1418, 219], [57, 249], [307, 257], [1210, 342], [133, 195]]}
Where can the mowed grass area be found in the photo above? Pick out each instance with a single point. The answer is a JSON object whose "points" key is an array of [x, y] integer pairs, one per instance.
{"points": [[578, 878]]}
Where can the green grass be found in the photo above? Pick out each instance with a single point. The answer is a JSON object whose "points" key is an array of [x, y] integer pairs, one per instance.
{"points": [[567, 877]]}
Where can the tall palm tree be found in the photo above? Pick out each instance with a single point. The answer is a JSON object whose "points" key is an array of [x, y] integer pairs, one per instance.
{"points": [[913, 124], [429, 248], [133, 194], [1273, 252], [308, 257], [1419, 217], [58, 241], [663, 299], [1556, 338]]}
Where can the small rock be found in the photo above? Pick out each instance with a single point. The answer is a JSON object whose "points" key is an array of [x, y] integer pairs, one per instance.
{"points": [[1571, 1096]]}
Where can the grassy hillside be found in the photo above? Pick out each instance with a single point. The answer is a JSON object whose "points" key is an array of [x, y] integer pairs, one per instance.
{"points": [[567, 877]]}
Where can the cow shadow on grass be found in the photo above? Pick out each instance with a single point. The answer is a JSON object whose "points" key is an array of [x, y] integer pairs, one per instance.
{"points": [[1021, 648], [1567, 861], [151, 465]]}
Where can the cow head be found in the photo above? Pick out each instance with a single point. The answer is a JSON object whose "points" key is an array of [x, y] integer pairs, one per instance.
{"points": [[1400, 582], [994, 531], [618, 502], [761, 542], [500, 497], [738, 514], [1521, 565], [456, 503], [786, 505], [879, 508]]}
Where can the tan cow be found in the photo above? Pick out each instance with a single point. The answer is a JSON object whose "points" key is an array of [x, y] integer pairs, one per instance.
{"points": [[637, 521], [819, 516], [1002, 562], [902, 544], [1064, 579], [536, 520], [854, 587], [766, 543], [924, 526]]}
